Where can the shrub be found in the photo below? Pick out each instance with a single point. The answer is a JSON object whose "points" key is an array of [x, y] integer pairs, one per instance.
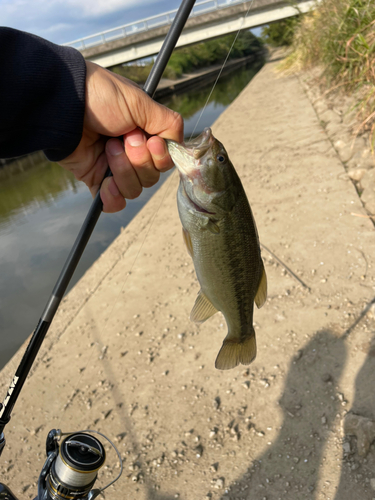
{"points": [[196, 56], [280, 33], [339, 35]]}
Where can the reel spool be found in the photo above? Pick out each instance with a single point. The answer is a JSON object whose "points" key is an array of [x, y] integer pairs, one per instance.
{"points": [[75, 469]]}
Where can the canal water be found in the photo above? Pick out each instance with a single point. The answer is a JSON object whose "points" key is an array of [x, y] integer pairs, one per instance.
{"points": [[42, 208]]}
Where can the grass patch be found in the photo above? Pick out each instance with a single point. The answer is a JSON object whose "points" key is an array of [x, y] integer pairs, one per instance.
{"points": [[339, 36]]}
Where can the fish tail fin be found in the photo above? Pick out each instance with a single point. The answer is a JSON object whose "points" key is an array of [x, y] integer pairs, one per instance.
{"points": [[233, 353]]}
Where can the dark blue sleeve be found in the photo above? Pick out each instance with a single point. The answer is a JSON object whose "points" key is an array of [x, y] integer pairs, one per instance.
{"points": [[42, 96]]}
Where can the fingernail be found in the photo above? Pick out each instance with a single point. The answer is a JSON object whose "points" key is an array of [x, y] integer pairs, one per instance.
{"points": [[114, 148], [160, 155], [158, 149], [113, 189], [135, 139]]}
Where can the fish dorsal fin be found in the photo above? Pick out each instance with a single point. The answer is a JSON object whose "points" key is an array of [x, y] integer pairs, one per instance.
{"points": [[202, 309], [188, 243], [261, 295]]}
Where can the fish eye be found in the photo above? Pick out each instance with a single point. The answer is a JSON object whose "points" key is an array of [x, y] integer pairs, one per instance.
{"points": [[220, 158]]}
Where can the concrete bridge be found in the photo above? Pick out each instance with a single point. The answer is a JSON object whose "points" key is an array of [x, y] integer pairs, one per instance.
{"points": [[209, 19]]}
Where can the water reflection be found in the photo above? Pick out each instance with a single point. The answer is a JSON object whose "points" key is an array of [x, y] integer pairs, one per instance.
{"points": [[42, 208], [34, 247], [228, 87], [29, 183]]}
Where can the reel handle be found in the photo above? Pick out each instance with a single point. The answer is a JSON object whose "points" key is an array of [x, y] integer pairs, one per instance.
{"points": [[6, 493]]}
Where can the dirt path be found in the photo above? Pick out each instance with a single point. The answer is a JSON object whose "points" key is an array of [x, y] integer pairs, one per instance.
{"points": [[123, 358]]}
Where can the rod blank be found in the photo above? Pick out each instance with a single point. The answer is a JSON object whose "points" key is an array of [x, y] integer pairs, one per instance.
{"points": [[84, 234]]}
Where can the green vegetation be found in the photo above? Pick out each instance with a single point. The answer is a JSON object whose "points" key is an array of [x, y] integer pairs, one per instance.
{"points": [[137, 74], [280, 33], [224, 93], [212, 52], [339, 36], [36, 184], [196, 56]]}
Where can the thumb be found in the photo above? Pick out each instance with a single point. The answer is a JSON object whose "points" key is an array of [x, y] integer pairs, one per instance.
{"points": [[116, 106], [149, 115]]}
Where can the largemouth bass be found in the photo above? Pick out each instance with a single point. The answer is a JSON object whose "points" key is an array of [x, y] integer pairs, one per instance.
{"points": [[221, 237]]}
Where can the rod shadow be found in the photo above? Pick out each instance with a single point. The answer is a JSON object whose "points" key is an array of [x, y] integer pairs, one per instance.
{"points": [[135, 446]]}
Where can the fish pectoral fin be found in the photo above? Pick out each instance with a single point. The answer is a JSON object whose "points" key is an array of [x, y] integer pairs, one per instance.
{"points": [[206, 223], [233, 353], [202, 309], [213, 227], [261, 295], [188, 243]]}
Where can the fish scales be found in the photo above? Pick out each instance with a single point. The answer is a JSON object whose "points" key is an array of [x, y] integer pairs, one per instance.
{"points": [[224, 268], [221, 237]]}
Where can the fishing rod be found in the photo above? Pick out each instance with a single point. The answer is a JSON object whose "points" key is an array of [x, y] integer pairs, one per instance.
{"points": [[79, 245]]}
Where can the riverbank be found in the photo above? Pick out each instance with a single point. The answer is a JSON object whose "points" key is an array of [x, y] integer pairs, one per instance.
{"points": [[339, 117], [21, 164], [42, 208], [123, 358]]}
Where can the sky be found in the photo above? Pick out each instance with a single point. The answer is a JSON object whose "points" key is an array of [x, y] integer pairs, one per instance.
{"points": [[63, 21]]}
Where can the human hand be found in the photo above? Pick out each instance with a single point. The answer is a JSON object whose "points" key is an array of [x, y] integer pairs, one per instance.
{"points": [[116, 107]]}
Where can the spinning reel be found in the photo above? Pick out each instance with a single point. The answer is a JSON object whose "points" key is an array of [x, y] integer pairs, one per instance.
{"points": [[71, 467]]}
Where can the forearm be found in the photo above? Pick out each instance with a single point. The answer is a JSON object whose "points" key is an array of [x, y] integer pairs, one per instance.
{"points": [[42, 96]]}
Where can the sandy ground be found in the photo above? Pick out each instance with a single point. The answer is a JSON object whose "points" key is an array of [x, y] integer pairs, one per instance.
{"points": [[123, 358]]}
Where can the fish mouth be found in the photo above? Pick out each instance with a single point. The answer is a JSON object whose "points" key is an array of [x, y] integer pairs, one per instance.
{"points": [[186, 156], [200, 145]]}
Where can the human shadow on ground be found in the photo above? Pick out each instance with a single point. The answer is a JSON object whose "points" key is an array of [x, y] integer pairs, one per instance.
{"points": [[358, 455], [290, 467]]}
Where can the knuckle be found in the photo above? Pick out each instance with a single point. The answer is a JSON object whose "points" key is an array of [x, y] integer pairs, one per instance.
{"points": [[165, 168], [136, 159], [117, 162], [120, 169], [166, 162], [148, 183], [178, 120], [134, 193], [143, 166]]}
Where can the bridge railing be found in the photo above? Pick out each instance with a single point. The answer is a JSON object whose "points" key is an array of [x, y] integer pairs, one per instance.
{"points": [[147, 24]]}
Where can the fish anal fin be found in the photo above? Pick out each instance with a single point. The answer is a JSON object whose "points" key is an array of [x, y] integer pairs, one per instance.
{"points": [[233, 353], [202, 309], [261, 295], [188, 243]]}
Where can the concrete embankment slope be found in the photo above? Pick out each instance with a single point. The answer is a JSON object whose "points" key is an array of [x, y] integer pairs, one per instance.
{"points": [[123, 358], [204, 76]]}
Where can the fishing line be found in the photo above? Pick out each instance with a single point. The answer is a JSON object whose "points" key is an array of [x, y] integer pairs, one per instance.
{"points": [[171, 177], [165, 194], [221, 69]]}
